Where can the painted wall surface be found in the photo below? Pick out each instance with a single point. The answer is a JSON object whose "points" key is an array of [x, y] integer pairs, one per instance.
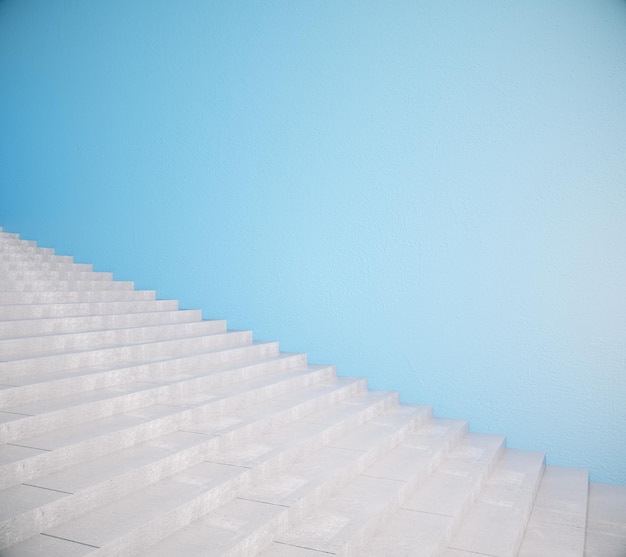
{"points": [[431, 194]]}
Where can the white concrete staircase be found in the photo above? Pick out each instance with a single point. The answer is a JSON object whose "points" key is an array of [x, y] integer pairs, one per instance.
{"points": [[129, 427]]}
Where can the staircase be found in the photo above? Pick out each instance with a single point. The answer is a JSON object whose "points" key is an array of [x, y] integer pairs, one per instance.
{"points": [[130, 427]]}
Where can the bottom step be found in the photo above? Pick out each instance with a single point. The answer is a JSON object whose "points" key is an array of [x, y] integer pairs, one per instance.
{"points": [[606, 521], [557, 523]]}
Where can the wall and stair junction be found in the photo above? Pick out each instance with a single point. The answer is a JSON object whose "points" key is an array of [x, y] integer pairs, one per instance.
{"points": [[130, 427]]}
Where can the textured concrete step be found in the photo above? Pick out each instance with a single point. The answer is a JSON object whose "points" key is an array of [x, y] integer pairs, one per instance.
{"points": [[84, 487], [557, 522], [29, 328], [63, 285], [13, 237], [60, 448], [506, 500], [65, 297], [35, 258], [311, 481], [426, 521], [606, 521], [25, 266], [32, 388], [198, 449], [78, 309], [7, 243], [38, 275], [9, 251], [33, 418], [341, 524], [28, 347], [107, 358], [130, 528]]}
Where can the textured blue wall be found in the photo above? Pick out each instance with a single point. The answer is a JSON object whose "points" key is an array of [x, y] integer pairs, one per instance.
{"points": [[430, 194]]}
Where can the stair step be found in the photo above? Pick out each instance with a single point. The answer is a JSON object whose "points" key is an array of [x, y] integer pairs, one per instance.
{"points": [[33, 388], [19, 286], [85, 486], [35, 258], [176, 520], [133, 473], [16, 298], [46, 415], [82, 309], [25, 266], [129, 427], [426, 521], [24, 277], [211, 535], [606, 521], [340, 525], [506, 500], [29, 328], [90, 439], [11, 248], [118, 356], [557, 521], [29, 347]]}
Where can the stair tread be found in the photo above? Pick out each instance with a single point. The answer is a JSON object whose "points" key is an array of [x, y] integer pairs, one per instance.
{"points": [[174, 374], [214, 533], [70, 445], [34, 327], [9, 312], [62, 343], [109, 466], [96, 478], [606, 521], [85, 431], [425, 522], [557, 522], [506, 500], [64, 285], [105, 524], [72, 296], [125, 355], [131, 427], [376, 491], [171, 444]]}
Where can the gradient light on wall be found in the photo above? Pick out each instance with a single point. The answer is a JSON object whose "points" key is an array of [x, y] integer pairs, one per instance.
{"points": [[429, 194]]}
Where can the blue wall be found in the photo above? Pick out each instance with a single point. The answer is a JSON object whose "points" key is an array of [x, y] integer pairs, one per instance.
{"points": [[430, 194]]}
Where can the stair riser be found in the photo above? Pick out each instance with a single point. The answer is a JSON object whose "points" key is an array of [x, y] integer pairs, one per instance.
{"points": [[73, 342], [38, 276], [30, 426], [283, 460], [303, 507], [26, 266], [185, 418], [526, 510], [473, 494], [17, 298], [333, 483], [74, 505], [122, 356], [512, 487], [174, 519], [182, 515], [357, 542], [35, 258], [28, 328], [13, 238], [11, 248], [167, 370], [44, 286], [85, 309]]}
